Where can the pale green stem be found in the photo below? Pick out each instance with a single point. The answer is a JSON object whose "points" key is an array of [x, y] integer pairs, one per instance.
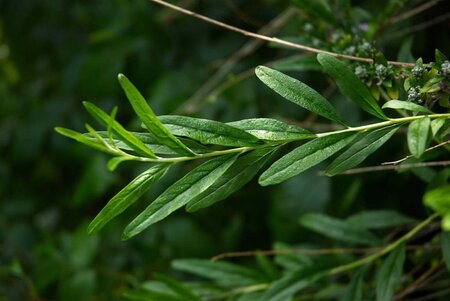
{"points": [[384, 251], [249, 148]]}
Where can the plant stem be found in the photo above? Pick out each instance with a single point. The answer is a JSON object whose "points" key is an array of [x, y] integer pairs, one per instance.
{"points": [[384, 251]]}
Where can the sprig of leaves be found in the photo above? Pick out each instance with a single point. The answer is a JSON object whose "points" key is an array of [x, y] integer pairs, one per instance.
{"points": [[236, 151]]}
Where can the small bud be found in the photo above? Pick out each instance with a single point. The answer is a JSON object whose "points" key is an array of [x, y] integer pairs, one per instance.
{"points": [[414, 95], [361, 72], [445, 68], [381, 71]]}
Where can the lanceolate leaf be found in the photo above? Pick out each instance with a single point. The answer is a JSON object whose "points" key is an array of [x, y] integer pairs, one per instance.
{"points": [[178, 287], [354, 289], [297, 63], [297, 92], [438, 199], [272, 129], [242, 171], [304, 157], [222, 272], [91, 142], [379, 219], [337, 229], [350, 85], [359, 151], [208, 131], [418, 136], [128, 195], [445, 246], [389, 274], [148, 117], [118, 130], [180, 193], [289, 285], [405, 105]]}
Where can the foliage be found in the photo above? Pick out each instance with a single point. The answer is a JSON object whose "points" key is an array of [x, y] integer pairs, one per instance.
{"points": [[364, 248]]}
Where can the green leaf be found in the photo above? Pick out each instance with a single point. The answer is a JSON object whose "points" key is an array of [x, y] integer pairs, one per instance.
{"points": [[148, 117], [113, 163], [208, 131], [290, 284], [180, 193], [438, 199], [418, 136], [118, 130], [405, 105], [350, 85], [445, 222], [354, 289], [150, 141], [128, 195], [379, 219], [222, 272], [318, 8], [445, 246], [151, 296], [242, 171], [337, 229], [297, 92], [436, 125], [177, 287], [297, 63], [91, 142], [304, 157], [389, 274], [361, 149], [272, 129]]}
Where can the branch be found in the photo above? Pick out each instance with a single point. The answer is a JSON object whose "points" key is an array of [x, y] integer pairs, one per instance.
{"points": [[394, 167], [272, 39], [305, 252], [410, 156], [414, 11]]}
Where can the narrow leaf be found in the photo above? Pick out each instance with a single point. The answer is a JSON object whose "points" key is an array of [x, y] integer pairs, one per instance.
{"points": [[290, 284], [354, 290], [222, 272], [272, 129], [337, 229], [118, 130], [304, 157], [128, 195], [297, 92], [418, 136], [180, 193], [208, 131], [148, 117], [242, 171], [379, 219], [350, 85], [406, 105], [438, 199], [178, 287], [389, 274], [445, 246], [361, 149], [297, 63], [91, 142], [113, 163]]}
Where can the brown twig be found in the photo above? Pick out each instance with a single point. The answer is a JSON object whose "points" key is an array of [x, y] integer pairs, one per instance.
{"points": [[273, 39], [410, 156], [304, 252], [190, 105], [420, 26], [394, 167], [414, 11]]}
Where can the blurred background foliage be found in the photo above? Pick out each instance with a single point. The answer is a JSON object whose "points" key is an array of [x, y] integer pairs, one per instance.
{"points": [[55, 54]]}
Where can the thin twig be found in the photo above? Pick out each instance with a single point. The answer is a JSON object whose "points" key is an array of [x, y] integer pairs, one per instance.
{"points": [[394, 167], [433, 296], [422, 280], [410, 156], [414, 11], [274, 26], [273, 39], [305, 252], [420, 26]]}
